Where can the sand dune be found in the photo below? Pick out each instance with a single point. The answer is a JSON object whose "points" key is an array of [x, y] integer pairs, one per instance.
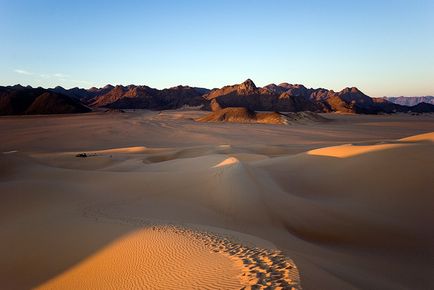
{"points": [[429, 137], [349, 150], [172, 258], [307, 206], [151, 259]]}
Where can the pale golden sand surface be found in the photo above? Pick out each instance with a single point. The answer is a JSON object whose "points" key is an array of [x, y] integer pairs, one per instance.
{"points": [[163, 202]]}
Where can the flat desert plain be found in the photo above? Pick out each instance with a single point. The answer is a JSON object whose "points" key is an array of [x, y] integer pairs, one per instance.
{"points": [[163, 202]]}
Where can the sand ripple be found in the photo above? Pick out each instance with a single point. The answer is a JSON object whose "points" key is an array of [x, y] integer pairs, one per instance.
{"points": [[151, 259], [172, 257]]}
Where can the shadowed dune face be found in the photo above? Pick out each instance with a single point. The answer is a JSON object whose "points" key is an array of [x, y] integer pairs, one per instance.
{"points": [[357, 192], [352, 216]]}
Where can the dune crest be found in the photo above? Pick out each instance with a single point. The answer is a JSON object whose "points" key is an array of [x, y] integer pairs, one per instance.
{"points": [[421, 137], [349, 150], [228, 161]]}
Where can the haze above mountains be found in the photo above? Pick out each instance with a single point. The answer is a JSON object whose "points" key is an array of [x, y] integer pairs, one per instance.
{"points": [[283, 98]]}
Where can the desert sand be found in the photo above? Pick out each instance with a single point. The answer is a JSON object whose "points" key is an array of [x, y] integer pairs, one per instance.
{"points": [[164, 202]]}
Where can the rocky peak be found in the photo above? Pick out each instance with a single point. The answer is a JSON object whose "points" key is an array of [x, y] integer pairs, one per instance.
{"points": [[284, 85], [106, 87], [248, 85], [18, 86], [352, 90]]}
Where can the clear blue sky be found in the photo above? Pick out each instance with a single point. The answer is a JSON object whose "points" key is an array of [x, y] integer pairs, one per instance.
{"points": [[382, 47]]}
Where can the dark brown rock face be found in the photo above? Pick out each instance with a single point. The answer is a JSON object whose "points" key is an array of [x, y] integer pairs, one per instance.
{"points": [[52, 103], [260, 99]]}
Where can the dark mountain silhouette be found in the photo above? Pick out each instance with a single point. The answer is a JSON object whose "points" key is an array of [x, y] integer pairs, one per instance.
{"points": [[53, 103], [422, 108], [19, 100], [144, 97], [77, 93]]}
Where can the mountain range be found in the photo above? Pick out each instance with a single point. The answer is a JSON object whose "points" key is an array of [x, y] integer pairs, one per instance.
{"points": [[19, 100], [283, 98], [411, 101]]}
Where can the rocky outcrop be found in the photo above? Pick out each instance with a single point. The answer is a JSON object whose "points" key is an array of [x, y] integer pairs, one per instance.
{"points": [[244, 115], [214, 105]]}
